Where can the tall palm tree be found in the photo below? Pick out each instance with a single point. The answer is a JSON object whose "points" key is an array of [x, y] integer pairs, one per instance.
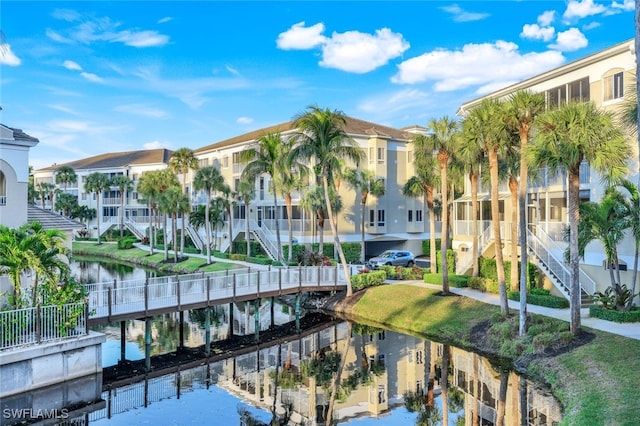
{"points": [[66, 175], [124, 185], [152, 185], [291, 177], [314, 201], [321, 136], [264, 157], [245, 193], [633, 209], [45, 189], [227, 202], [442, 138], [487, 125], [523, 107], [182, 160], [173, 202], [567, 136], [210, 180], [96, 183], [422, 184], [367, 183]]}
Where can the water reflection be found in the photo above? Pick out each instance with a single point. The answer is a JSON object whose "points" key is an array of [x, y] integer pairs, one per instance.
{"points": [[387, 375]]}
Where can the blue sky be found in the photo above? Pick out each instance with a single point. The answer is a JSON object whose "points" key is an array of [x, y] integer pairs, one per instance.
{"points": [[93, 77]]}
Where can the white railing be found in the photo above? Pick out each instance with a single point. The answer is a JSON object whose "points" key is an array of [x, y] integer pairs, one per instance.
{"points": [[42, 324], [133, 227], [121, 298], [266, 239], [195, 236]]}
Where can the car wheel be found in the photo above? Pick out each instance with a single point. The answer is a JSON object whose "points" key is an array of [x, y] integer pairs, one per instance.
{"points": [[388, 264], [410, 264]]}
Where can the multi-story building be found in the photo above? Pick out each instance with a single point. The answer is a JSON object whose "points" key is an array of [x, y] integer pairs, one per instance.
{"points": [[391, 220], [601, 78], [132, 164]]}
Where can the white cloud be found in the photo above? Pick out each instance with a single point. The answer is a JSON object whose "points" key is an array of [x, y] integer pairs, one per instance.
{"points": [[578, 9], [536, 32], [358, 52], [244, 120], [141, 38], [143, 110], [68, 15], [626, 5], [165, 20], [390, 103], [71, 65], [461, 15], [156, 145], [475, 65], [92, 77], [232, 70], [7, 57], [301, 37], [546, 18], [57, 37], [570, 40], [69, 126]]}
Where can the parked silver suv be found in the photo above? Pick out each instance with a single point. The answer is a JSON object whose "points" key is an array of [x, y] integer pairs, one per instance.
{"points": [[393, 258]]}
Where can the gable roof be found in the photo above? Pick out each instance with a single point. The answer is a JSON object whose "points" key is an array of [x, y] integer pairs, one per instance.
{"points": [[119, 159], [51, 220], [352, 127]]}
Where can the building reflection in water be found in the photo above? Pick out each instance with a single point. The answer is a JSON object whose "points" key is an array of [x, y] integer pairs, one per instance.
{"points": [[384, 370]]}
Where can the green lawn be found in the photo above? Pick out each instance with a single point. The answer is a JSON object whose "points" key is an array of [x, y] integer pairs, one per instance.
{"points": [[597, 383]]}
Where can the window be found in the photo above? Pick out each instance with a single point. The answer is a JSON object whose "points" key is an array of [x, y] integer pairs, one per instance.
{"points": [[380, 155], [579, 90], [419, 357], [236, 158], [84, 196], [203, 162], [134, 195], [225, 161], [613, 87], [409, 157], [236, 184], [409, 215], [135, 176], [380, 217], [371, 153], [372, 220], [418, 215], [557, 96]]}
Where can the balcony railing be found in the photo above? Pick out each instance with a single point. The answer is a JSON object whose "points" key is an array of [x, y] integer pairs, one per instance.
{"points": [[42, 324]]}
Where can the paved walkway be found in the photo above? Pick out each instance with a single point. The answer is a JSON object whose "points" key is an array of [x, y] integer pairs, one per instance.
{"points": [[631, 330]]}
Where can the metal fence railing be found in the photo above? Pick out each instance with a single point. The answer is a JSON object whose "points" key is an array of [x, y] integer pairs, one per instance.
{"points": [[41, 324]]}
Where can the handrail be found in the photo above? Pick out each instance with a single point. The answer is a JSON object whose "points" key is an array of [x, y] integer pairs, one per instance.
{"points": [[556, 268]]}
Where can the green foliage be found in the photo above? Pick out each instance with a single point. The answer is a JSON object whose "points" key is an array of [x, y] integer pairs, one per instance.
{"points": [[601, 312], [478, 283], [540, 291], [351, 251], [426, 246], [241, 247], [322, 368], [238, 256], [126, 243], [260, 260], [369, 279], [458, 281], [297, 250], [312, 258], [220, 255], [327, 249], [404, 273], [451, 261], [614, 297], [541, 299]]}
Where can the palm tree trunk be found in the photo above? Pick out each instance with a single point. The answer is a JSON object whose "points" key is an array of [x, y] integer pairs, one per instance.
{"points": [[523, 222], [207, 225], [337, 376], [634, 275], [275, 213], [444, 384], [287, 201], [473, 177], [229, 213], [574, 266], [174, 229], [495, 220], [362, 212], [432, 231], [502, 397], [98, 214], [246, 228], [336, 237], [513, 188], [444, 233], [121, 214], [182, 232]]}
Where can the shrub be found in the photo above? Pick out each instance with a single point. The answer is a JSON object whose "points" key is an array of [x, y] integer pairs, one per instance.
{"points": [[596, 311], [371, 279], [126, 243], [458, 281], [477, 283], [541, 300], [238, 256], [260, 260], [451, 261], [426, 246], [241, 247]]}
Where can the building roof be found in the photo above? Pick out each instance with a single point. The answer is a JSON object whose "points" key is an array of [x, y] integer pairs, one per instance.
{"points": [[19, 135], [118, 159], [353, 127], [51, 220]]}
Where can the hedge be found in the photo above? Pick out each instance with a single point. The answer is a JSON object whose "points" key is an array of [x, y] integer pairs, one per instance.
{"points": [[451, 261], [458, 281], [404, 273], [126, 243], [596, 311], [240, 246], [368, 279], [426, 246], [541, 300], [260, 260]]}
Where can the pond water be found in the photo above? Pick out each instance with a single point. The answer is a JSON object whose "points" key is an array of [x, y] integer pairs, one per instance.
{"points": [[389, 378]]}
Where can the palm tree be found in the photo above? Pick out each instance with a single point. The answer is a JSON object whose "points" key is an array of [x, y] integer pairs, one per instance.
{"points": [[227, 202], [322, 136], [313, 200], [66, 175], [173, 202], [245, 193], [96, 183], [208, 179], [523, 107], [567, 136], [124, 185], [486, 124], [264, 157], [183, 160], [291, 177], [45, 189], [442, 137], [367, 183], [151, 185], [633, 222], [66, 203]]}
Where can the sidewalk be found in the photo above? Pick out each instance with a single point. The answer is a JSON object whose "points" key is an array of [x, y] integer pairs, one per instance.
{"points": [[630, 330]]}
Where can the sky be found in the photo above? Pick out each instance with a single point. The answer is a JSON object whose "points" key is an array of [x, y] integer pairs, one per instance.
{"points": [[91, 77]]}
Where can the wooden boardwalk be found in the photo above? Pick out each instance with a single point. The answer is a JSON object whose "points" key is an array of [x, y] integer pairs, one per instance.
{"points": [[118, 301]]}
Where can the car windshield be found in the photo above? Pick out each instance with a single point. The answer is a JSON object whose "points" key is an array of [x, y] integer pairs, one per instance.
{"points": [[386, 254]]}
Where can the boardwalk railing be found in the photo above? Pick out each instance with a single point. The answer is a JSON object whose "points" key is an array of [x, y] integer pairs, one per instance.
{"points": [[42, 324], [178, 292]]}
